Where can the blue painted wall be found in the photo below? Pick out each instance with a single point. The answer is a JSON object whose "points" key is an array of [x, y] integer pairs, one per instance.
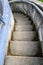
{"points": [[4, 30]]}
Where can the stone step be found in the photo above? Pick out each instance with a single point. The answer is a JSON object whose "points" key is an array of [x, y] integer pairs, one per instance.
{"points": [[21, 60], [20, 16], [20, 19], [24, 27], [24, 47], [24, 35], [20, 22]]}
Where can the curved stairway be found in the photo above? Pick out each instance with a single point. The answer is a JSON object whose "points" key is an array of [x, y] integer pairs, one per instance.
{"points": [[24, 45]]}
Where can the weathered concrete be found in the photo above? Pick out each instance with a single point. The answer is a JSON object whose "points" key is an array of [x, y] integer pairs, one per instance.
{"points": [[24, 35], [20, 16], [20, 60], [24, 47], [21, 19], [24, 28], [23, 23]]}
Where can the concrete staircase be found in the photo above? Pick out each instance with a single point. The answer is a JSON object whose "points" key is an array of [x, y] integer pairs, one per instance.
{"points": [[24, 45]]}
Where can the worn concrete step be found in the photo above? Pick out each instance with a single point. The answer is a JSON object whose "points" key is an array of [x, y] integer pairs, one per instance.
{"points": [[20, 22], [21, 60], [24, 47], [20, 19], [24, 35], [24, 27], [20, 16]]}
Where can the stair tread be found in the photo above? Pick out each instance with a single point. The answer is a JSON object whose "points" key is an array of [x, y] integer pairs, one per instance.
{"points": [[24, 35], [20, 19], [24, 27], [23, 23], [24, 47], [21, 60], [20, 16]]}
